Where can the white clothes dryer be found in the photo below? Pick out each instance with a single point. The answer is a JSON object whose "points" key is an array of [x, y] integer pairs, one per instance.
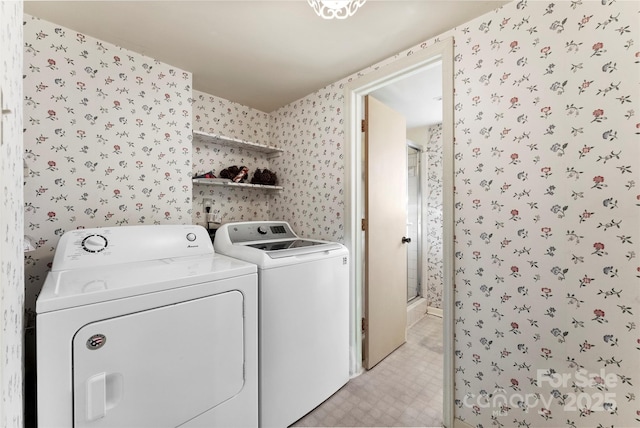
{"points": [[144, 326], [303, 293]]}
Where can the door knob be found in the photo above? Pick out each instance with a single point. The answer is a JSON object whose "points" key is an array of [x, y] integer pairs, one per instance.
{"points": [[406, 240]]}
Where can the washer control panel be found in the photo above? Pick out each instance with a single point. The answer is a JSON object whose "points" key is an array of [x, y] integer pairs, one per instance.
{"points": [[260, 231], [86, 248]]}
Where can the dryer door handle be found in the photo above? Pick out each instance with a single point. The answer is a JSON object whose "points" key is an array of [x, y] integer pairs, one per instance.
{"points": [[97, 397], [104, 391]]}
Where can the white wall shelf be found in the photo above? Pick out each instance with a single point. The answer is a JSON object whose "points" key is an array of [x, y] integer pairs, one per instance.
{"points": [[215, 182], [199, 136]]}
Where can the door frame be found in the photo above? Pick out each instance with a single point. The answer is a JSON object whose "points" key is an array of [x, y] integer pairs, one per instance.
{"points": [[355, 91]]}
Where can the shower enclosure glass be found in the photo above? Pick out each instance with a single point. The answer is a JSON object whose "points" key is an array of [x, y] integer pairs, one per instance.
{"points": [[414, 216]]}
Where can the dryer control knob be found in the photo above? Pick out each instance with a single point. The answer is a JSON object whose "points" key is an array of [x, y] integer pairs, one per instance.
{"points": [[191, 237], [262, 230], [94, 243]]}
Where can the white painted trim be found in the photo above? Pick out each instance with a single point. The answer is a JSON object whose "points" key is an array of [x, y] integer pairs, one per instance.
{"points": [[457, 423], [448, 248], [436, 312], [354, 92]]}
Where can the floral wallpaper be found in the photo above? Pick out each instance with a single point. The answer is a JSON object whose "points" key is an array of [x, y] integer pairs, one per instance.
{"points": [[546, 209], [433, 217], [218, 116], [11, 221], [107, 140], [311, 132], [546, 216], [546, 199]]}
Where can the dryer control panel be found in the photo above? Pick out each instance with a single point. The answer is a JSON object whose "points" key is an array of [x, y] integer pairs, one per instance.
{"points": [[260, 231], [86, 248]]}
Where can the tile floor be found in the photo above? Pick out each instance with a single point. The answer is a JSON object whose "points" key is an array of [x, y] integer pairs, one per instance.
{"points": [[403, 390]]}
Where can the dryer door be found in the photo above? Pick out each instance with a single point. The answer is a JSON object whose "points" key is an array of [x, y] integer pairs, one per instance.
{"points": [[160, 367]]}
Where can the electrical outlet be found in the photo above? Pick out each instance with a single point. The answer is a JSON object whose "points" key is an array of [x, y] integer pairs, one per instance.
{"points": [[207, 204]]}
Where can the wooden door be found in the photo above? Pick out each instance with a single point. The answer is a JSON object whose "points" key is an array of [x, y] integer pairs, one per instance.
{"points": [[385, 306]]}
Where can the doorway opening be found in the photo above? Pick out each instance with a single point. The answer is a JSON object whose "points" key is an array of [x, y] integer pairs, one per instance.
{"points": [[441, 51]]}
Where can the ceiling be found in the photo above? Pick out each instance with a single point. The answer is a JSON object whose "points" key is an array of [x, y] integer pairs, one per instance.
{"points": [[264, 53], [417, 97]]}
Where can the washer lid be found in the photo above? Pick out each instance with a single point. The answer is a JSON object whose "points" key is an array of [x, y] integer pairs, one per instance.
{"points": [[289, 248], [79, 287], [270, 244], [285, 245]]}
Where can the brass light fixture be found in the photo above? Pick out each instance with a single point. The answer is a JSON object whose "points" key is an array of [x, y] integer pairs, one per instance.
{"points": [[340, 9]]}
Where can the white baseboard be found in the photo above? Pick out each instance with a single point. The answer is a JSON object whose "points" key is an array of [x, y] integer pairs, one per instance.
{"points": [[435, 311], [457, 423]]}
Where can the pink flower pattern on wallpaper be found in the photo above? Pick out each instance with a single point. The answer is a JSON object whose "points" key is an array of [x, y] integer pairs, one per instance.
{"points": [[546, 175], [546, 166], [546, 199], [217, 116], [311, 169], [107, 140]]}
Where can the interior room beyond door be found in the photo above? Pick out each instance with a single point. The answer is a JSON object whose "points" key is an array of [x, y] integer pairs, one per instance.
{"points": [[414, 226]]}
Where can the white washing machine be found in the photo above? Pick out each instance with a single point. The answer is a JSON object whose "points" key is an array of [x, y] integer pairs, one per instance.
{"points": [[144, 326], [303, 293]]}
